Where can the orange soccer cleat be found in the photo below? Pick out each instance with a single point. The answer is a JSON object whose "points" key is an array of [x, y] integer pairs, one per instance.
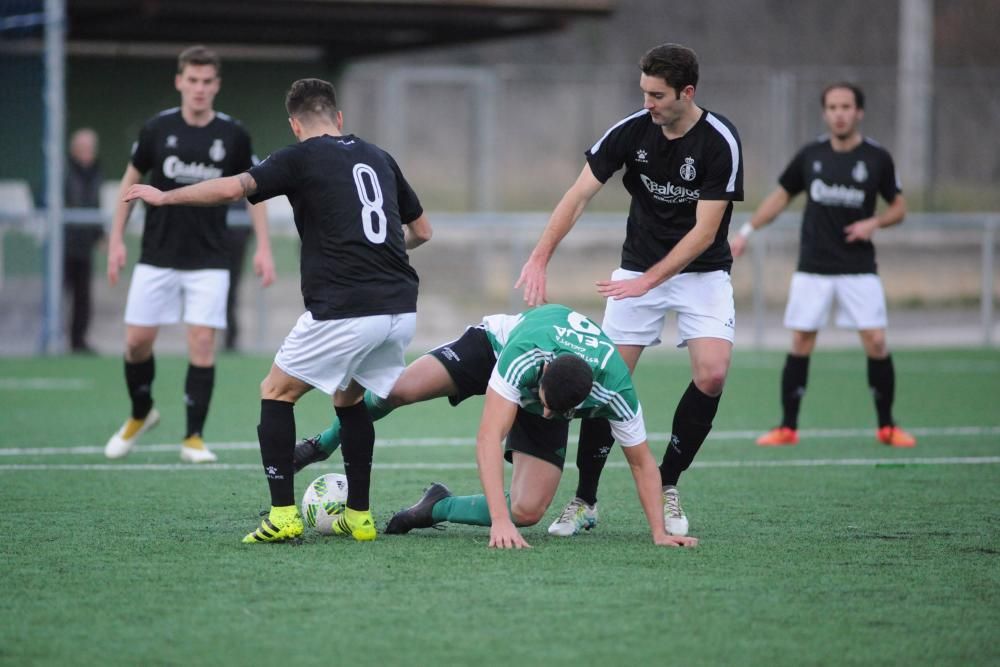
{"points": [[779, 437], [895, 437]]}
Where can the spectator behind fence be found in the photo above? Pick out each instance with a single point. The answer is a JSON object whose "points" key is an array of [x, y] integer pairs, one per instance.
{"points": [[82, 190]]}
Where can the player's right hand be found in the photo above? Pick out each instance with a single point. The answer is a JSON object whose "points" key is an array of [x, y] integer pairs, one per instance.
{"points": [[506, 536], [533, 280], [738, 245], [116, 259], [667, 540]]}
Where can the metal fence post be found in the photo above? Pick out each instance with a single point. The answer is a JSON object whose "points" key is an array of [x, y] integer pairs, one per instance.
{"points": [[986, 292]]}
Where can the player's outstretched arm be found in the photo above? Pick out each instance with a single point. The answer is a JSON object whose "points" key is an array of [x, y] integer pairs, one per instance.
{"points": [[418, 232], [647, 482], [567, 212], [498, 417], [768, 210], [212, 192]]}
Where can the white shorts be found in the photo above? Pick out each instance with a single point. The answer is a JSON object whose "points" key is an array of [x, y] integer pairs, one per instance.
{"points": [[703, 303], [328, 354], [158, 296], [859, 297]]}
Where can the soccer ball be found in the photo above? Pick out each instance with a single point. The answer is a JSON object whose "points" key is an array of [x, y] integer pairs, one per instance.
{"points": [[324, 501]]}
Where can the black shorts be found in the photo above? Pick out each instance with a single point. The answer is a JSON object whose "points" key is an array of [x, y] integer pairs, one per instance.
{"points": [[539, 437], [469, 361]]}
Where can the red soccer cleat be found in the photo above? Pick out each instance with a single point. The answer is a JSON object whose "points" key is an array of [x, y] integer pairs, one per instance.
{"points": [[895, 437], [779, 437]]}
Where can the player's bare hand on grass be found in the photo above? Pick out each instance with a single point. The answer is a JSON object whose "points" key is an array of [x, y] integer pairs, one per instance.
{"points": [[623, 289], [667, 540], [506, 536], [533, 280], [862, 230], [146, 193]]}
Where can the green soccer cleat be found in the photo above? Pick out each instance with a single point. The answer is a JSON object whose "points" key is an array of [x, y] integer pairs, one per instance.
{"points": [[359, 525], [282, 523]]}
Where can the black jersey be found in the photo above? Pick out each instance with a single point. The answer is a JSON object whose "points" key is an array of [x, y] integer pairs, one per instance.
{"points": [[667, 178], [841, 188], [350, 202], [177, 154]]}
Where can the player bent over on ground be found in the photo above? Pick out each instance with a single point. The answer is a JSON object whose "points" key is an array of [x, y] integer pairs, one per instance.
{"points": [[351, 203], [538, 370]]}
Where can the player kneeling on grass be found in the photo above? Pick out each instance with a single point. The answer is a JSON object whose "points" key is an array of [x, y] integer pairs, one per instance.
{"points": [[351, 206], [538, 370]]}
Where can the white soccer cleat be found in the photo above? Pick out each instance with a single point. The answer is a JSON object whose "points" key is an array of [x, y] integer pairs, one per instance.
{"points": [[122, 442], [193, 450], [577, 516], [674, 520]]}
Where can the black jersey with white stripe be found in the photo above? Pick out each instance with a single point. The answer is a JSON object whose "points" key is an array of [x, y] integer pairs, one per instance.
{"points": [[841, 188], [667, 178], [176, 154], [350, 202]]}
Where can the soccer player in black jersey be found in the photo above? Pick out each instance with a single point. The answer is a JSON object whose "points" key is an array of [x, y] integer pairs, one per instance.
{"points": [[182, 268], [356, 216], [683, 169], [842, 175]]}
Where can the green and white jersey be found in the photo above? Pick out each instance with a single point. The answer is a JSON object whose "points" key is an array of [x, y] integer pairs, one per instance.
{"points": [[524, 343]]}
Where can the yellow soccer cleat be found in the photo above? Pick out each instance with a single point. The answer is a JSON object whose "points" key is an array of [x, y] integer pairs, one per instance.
{"points": [[282, 523], [359, 525], [193, 450]]}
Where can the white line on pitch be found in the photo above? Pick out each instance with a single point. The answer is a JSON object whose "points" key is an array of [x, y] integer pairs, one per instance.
{"points": [[955, 431], [216, 467]]}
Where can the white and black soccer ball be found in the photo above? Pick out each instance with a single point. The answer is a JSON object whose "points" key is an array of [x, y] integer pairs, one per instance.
{"points": [[324, 501]]}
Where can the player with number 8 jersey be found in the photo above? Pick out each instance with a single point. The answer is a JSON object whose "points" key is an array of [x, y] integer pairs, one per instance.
{"points": [[350, 203]]}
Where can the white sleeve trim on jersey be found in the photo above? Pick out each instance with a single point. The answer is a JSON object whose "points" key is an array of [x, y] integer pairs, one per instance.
{"points": [[614, 400], [597, 146], [734, 149], [524, 363], [631, 432], [506, 390]]}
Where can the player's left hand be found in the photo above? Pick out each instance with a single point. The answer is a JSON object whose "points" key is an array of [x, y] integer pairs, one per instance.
{"points": [[146, 193], [862, 230], [667, 540], [623, 289], [263, 266]]}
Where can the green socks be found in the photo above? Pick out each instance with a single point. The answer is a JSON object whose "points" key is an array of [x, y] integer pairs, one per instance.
{"points": [[329, 439], [470, 510]]}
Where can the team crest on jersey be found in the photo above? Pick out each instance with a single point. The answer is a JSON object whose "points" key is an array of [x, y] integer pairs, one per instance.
{"points": [[817, 166], [860, 172], [640, 156], [171, 141], [688, 172], [217, 152]]}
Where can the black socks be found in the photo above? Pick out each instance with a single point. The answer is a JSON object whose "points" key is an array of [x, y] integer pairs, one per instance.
{"points": [[591, 454], [882, 382], [692, 422], [139, 381], [793, 387], [197, 394], [276, 434], [357, 443]]}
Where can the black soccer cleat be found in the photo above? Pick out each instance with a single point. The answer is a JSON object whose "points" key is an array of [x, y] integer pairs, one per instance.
{"points": [[418, 515], [307, 452]]}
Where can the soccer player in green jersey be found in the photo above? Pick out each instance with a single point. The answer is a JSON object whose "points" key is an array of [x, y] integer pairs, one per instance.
{"points": [[537, 370]]}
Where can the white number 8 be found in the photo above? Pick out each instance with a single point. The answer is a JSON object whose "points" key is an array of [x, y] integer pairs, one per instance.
{"points": [[371, 207]]}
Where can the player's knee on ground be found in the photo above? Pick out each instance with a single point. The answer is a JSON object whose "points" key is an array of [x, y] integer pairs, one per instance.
{"points": [[525, 516]]}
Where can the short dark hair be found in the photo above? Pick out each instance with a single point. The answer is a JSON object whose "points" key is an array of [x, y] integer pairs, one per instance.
{"points": [[199, 55], [311, 97], [859, 96], [675, 64], [567, 381]]}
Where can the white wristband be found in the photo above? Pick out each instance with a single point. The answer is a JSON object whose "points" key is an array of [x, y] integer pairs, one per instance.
{"points": [[746, 230]]}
